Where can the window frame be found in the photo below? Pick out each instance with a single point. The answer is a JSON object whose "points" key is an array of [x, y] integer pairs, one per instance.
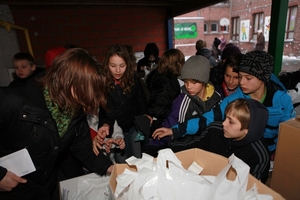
{"points": [[217, 27], [258, 23], [288, 32], [235, 28], [205, 30]]}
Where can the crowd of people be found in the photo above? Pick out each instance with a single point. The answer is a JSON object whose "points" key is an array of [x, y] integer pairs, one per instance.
{"points": [[80, 115]]}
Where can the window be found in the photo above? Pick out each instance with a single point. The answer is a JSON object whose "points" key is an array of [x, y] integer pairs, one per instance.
{"points": [[235, 29], [224, 28], [258, 23], [213, 27], [290, 22], [205, 27]]}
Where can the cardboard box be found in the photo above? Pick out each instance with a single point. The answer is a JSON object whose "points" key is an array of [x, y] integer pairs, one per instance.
{"points": [[286, 171], [212, 164]]}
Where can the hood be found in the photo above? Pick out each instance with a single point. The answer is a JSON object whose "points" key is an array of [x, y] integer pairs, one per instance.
{"points": [[259, 116], [151, 49], [207, 54], [204, 52]]}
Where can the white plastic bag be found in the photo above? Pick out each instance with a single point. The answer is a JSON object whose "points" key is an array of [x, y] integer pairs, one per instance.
{"points": [[160, 180], [93, 187], [167, 179], [222, 188]]}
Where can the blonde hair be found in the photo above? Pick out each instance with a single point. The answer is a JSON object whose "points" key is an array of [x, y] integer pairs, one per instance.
{"points": [[240, 109]]}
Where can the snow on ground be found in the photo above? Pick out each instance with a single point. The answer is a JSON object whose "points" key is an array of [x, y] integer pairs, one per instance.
{"points": [[290, 63]]}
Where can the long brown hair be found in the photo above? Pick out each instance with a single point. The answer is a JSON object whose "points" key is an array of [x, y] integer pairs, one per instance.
{"points": [[127, 79], [75, 82]]}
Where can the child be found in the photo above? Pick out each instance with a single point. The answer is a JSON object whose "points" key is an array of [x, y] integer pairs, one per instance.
{"points": [[231, 76], [198, 95], [163, 85], [256, 81], [242, 134], [151, 58], [126, 99], [25, 68]]}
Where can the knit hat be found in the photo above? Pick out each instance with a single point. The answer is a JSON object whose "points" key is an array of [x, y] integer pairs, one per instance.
{"points": [[257, 63], [217, 42], [229, 50], [196, 68], [51, 54]]}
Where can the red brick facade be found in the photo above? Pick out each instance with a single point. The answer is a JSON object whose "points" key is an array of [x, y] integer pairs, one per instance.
{"points": [[245, 11], [97, 27], [94, 28]]}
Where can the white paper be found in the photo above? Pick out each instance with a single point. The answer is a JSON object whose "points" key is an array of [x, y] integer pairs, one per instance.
{"points": [[19, 162]]}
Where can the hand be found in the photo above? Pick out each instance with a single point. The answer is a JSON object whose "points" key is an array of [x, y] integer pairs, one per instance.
{"points": [[120, 142], [103, 132], [10, 180], [96, 145], [108, 144], [109, 170], [162, 132]]}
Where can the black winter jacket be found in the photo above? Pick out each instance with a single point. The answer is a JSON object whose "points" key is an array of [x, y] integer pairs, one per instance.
{"points": [[124, 107], [25, 122]]}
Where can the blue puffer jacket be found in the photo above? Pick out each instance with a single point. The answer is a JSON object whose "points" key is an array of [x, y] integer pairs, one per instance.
{"points": [[280, 111]]}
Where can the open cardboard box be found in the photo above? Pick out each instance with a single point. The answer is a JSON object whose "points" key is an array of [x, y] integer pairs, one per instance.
{"points": [[212, 164]]}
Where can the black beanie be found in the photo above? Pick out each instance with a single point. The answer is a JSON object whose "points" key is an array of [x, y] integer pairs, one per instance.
{"points": [[217, 42], [229, 50], [257, 63]]}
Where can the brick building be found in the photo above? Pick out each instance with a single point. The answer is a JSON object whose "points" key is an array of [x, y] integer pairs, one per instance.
{"points": [[252, 15]]}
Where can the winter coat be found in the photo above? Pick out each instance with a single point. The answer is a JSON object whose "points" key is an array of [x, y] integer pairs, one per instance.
{"points": [[253, 151], [163, 89], [207, 53], [187, 106], [22, 81], [123, 107], [260, 44], [277, 101], [26, 122]]}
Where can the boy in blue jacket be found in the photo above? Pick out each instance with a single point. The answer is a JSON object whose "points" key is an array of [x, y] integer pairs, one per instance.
{"points": [[256, 82]]}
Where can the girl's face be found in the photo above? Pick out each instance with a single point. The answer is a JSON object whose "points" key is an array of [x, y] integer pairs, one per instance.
{"points": [[232, 128], [249, 83], [231, 78], [117, 66], [193, 87]]}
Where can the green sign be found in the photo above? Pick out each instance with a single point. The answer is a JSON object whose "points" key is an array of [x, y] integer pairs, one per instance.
{"points": [[185, 30]]}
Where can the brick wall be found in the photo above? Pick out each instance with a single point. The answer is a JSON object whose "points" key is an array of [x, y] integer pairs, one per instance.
{"points": [[94, 28], [246, 10], [206, 15]]}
